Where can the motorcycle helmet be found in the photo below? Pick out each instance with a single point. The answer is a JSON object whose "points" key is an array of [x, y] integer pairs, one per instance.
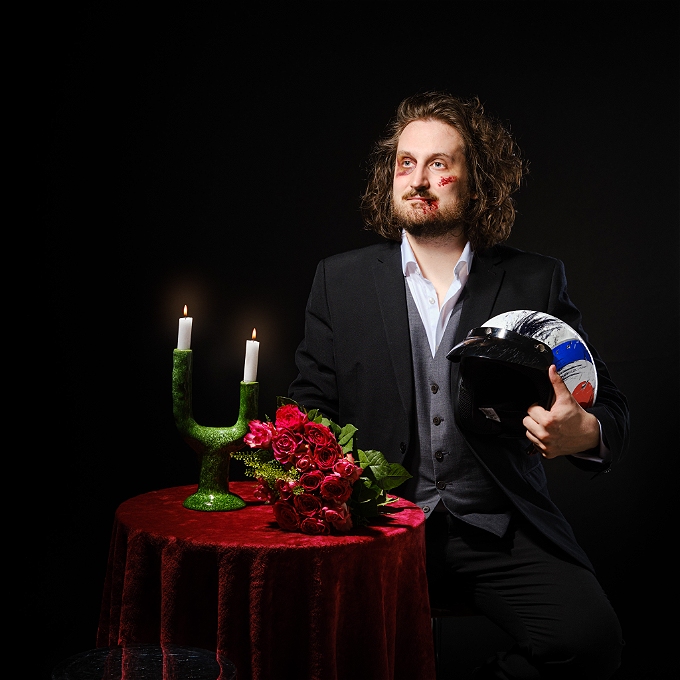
{"points": [[504, 370]]}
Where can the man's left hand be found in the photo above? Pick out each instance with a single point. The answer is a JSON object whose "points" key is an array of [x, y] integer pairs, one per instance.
{"points": [[566, 428]]}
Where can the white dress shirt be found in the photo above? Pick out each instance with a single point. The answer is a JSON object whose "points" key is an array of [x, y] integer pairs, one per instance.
{"points": [[433, 316]]}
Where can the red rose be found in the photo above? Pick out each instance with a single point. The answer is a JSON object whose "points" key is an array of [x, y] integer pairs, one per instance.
{"points": [[319, 434], [285, 443], [346, 468], [311, 481], [314, 526], [260, 435], [307, 504], [304, 463], [285, 515], [326, 456], [290, 417], [336, 488]]}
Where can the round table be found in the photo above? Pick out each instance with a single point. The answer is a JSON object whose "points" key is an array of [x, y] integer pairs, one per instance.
{"points": [[277, 604]]}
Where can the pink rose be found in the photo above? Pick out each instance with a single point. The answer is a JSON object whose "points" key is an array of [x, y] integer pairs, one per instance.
{"points": [[285, 444], [340, 517], [262, 492], [285, 515], [336, 488], [314, 526], [289, 417], [325, 456], [307, 504], [344, 524], [284, 488], [346, 468], [319, 434], [311, 481], [260, 435]]}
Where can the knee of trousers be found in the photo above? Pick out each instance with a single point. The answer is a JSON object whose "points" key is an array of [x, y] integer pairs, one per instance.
{"points": [[587, 652]]}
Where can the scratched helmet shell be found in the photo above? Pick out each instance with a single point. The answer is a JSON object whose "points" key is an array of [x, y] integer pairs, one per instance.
{"points": [[504, 369]]}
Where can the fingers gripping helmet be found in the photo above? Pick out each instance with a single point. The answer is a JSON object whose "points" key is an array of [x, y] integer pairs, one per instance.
{"points": [[504, 370]]}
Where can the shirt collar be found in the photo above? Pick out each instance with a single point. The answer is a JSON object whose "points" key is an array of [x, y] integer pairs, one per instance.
{"points": [[409, 263]]}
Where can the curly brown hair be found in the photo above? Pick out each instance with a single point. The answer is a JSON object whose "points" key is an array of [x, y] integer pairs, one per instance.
{"points": [[494, 164]]}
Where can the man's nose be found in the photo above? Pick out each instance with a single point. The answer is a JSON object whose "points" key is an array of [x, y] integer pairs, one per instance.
{"points": [[419, 179]]}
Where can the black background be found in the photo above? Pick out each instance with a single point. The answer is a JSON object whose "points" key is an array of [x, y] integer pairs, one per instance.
{"points": [[206, 156]]}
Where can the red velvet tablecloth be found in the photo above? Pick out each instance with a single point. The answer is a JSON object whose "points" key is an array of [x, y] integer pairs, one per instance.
{"points": [[279, 605]]}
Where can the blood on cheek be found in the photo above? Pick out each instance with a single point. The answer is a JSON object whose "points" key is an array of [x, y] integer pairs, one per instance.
{"points": [[447, 180]]}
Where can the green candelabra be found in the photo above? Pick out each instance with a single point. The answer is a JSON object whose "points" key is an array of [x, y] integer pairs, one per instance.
{"points": [[214, 445]]}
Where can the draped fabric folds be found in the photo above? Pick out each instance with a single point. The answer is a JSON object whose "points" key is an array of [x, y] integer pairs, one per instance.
{"points": [[278, 604]]}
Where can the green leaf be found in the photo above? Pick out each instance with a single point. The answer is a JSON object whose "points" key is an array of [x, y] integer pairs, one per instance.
{"points": [[386, 475], [346, 438], [370, 509], [333, 427], [364, 490]]}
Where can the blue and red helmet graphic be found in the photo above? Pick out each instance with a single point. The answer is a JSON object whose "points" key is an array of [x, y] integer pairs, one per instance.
{"points": [[572, 358]]}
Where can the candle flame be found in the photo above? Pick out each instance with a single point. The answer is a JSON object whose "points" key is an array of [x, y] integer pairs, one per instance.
{"points": [[185, 310], [254, 334]]}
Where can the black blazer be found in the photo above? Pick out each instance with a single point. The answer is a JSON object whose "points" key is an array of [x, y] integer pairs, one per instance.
{"points": [[355, 362]]}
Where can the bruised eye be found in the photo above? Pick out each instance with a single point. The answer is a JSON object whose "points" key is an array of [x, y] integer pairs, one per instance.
{"points": [[405, 166]]}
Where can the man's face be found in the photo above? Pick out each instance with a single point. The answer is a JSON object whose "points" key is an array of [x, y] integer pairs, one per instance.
{"points": [[430, 186]]}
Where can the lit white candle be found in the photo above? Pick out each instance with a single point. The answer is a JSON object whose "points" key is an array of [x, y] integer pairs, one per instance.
{"points": [[184, 333], [252, 353]]}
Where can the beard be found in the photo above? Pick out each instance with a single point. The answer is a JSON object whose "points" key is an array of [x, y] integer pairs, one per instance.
{"points": [[426, 221]]}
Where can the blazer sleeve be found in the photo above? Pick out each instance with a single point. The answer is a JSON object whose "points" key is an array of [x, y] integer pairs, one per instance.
{"points": [[316, 384], [611, 406]]}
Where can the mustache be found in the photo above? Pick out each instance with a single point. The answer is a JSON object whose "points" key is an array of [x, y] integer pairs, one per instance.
{"points": [[419, 194]]}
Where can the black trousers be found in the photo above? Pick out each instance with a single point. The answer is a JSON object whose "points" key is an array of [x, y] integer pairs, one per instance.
{"points": [[554, 608]]}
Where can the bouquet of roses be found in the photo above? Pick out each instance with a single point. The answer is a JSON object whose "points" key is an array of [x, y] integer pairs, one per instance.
{"points": [[308, 470]]}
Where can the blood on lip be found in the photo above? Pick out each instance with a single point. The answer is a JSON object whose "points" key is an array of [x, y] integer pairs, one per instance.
{"points": [[428, 205], [424, 203]]}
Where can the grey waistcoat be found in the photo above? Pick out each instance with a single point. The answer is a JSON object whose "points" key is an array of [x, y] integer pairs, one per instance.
{"points": [[446, 472]]}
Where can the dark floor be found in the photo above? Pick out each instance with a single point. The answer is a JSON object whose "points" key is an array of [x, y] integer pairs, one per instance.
{"points": [[469, 640]]}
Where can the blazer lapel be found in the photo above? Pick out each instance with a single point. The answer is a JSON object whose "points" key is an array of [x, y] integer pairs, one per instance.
{"points": [[481, 291], [391, 291]]}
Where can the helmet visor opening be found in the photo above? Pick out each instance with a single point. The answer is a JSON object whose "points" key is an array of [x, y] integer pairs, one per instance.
{"points": [[495, 395]]}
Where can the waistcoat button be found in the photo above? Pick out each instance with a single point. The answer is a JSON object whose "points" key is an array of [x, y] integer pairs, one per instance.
{"points": [[437, 420], [438, 455], [441, 485], [434, 388]]}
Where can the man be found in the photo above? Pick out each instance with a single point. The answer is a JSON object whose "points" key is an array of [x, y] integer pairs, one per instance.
{"points": [[379, 323]]}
